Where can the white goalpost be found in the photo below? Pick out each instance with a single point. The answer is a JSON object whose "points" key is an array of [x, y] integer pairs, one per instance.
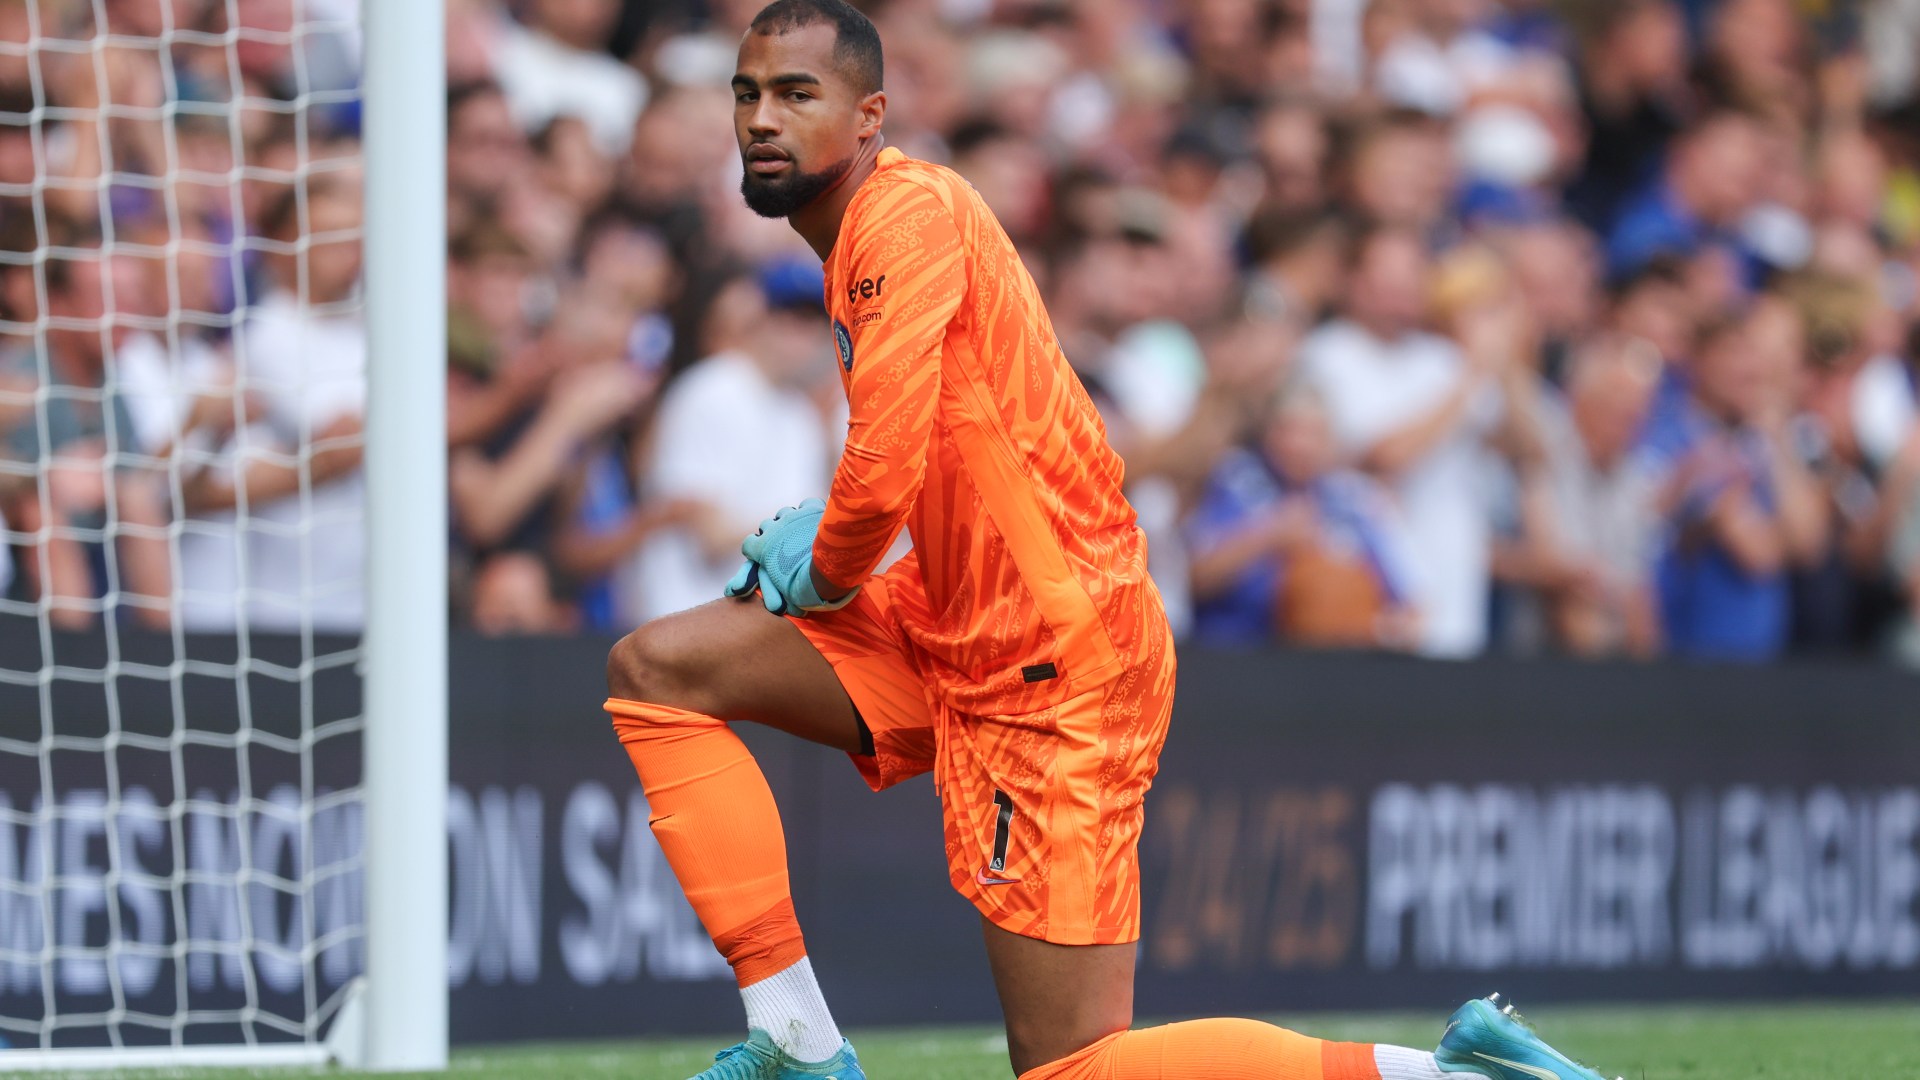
{"points": [[406, 1017], [223, 565]]}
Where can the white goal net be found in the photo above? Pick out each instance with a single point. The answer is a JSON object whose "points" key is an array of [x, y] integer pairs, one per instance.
{"points": [[183, 581]]}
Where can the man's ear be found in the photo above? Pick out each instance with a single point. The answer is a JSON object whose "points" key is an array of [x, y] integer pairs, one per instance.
{"points": [[873, 112]]}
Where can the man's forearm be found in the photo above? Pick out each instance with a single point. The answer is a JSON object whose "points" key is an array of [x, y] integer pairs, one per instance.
{"points": [[1803, 510], [1397, 451], [1756, 541]]}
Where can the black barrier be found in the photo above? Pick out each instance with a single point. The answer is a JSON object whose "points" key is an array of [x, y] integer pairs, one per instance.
{"points": [[139, 749], [1327, 831], [1353, 831]]}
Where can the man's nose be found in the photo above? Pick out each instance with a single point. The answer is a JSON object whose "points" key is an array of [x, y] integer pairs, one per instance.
{"points": [[763, 120]]}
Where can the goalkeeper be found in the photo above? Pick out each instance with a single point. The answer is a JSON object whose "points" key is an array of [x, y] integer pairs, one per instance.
{"points": [[1019, 652]]}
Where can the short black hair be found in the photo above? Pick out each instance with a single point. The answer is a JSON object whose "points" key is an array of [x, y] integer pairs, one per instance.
{"points": [[856, 44], [1663, 270], [459, 94], [1715, 329], [1275, 232], [974, 134]]}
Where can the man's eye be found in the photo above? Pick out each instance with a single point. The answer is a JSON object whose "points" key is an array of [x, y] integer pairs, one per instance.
{"points": [[799, 95], [745, 97]]}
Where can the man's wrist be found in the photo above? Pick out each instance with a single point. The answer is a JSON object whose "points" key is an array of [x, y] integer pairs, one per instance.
{"points": [[828, 594]]}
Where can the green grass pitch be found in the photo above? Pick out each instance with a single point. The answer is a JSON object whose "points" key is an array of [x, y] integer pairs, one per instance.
{"points": [[1875, 1041]]}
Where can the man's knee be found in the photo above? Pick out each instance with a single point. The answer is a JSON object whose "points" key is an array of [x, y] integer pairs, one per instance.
{"points": [[654, 664], [1047, 1055]]}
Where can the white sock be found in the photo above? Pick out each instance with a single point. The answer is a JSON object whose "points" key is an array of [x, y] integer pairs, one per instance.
{"points": [[788, 1007], [1400, 1063]]}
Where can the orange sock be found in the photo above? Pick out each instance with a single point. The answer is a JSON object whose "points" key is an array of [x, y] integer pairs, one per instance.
{"points": [[1217, 1049], [717, 823]]}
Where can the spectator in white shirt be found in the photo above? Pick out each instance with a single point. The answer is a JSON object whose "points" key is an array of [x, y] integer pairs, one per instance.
{"points": [[295, 477], [71, 467], [557, 65], [181, 396], [1416, 411], [738, 432], [1591, 525]]}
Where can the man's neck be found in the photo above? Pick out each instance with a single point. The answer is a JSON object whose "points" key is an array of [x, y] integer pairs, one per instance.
{"points": [[555, 36], [1599, 461], [1384, 331], [769, 367], [818, 222], [1684, 196]]}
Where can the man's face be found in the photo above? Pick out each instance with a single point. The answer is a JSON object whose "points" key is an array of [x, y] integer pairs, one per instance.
{"points": [[797, 117], [1610, 407], [583, 24], [1299, 441], [1389, 290], [1651, 43], [267, 53], [485, 149], [1725, 161], [84, 301], [1732, 376], [333, 253], [1292, 145], [494, 288], [1658, 312], [1404, 177], [1555, 268]]}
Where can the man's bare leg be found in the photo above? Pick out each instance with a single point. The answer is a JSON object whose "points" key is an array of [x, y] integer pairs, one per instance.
{"points": [[730, 659], [675, 683], [1058, 999]]}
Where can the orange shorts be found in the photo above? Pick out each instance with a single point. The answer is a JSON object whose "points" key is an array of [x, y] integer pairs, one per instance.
{"points": [[1042, 811]]}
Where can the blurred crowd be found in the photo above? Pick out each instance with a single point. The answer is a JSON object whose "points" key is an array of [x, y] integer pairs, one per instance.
{"points": [[1448, 326], [182, 352]]}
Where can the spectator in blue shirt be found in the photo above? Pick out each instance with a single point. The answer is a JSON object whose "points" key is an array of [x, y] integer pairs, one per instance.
{"points": [[1653, 306], [1711, 180], [1285, 545], [1743, 508]]}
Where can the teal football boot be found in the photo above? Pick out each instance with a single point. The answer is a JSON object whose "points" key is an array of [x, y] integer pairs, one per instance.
{"points": [[1486, 1037], [759, 1059]]}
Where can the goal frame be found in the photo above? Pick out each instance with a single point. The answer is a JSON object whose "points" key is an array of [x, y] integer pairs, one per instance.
{"points": [[394, 1017], [404, 145]]}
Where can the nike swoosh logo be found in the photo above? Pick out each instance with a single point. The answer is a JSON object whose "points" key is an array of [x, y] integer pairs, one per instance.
{"points": [[981, 877], [1534, 1071]]}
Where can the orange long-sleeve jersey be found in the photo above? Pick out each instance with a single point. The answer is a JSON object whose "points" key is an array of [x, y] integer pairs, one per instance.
{"points": [[968, 427]]}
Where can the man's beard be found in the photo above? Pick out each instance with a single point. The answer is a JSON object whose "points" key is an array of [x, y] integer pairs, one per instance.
{"points": [[780, 196]]}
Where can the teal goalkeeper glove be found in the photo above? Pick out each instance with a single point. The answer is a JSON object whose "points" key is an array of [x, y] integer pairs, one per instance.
{"points": [[780, 562]]}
